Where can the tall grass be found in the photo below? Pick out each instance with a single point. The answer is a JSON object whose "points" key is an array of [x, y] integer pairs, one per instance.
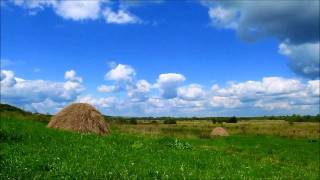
{"points": [[201, 129], [29, 150]]}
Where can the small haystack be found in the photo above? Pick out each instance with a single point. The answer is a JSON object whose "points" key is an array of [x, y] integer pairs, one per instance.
{"points": [[219, 131], [80, 117]]}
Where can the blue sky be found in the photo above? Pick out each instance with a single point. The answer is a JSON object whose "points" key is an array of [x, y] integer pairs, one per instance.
{"points": [[215, 58]]}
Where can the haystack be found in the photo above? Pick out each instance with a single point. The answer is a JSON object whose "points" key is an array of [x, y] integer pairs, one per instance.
{"points": [[219, 131], [80, 117]]}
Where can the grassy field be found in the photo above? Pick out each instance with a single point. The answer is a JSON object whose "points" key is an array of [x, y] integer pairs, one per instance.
{"points": [[29, 150], [202, 129]]}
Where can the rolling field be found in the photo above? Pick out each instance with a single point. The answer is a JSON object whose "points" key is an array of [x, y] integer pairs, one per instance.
{"points": [[29, 150], [202, 129]]}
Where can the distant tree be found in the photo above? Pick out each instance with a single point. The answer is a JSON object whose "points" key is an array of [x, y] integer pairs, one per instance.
{"points": [[133, 121], [232, 120], [170, 121], [214, 120], [154, 122]]}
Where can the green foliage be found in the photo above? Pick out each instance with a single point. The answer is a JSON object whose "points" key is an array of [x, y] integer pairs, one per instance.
{"points": [[154, 122], [133, 121], [8, 111], [174, 143], [170, 121], [232, 120], [8, 108], [29, 150]]}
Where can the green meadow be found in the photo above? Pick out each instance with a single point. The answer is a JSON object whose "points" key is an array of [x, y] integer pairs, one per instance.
{"points": [[29, 150]]}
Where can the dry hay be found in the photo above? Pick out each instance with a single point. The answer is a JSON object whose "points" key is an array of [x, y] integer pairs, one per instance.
{"points": [[219, 131], [80, 117]]}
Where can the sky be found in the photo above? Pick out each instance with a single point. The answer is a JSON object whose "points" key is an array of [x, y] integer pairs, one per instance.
{"points": [[162, 58]]}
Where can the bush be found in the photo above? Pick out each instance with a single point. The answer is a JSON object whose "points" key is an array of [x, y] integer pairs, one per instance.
{"points": [[214, 120], [204, 135], [175, 143], [133, 121], [169, 121], [154, 122], [232, 120]]}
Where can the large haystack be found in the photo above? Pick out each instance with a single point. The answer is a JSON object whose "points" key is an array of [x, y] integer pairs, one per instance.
{"points": [[219, 131], [80, 117]]}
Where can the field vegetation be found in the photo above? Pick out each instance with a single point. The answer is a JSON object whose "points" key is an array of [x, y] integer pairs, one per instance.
{"points": [[150, 149]]}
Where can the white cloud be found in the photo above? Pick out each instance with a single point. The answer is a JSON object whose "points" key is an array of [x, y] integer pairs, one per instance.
{"points": [[222, 17], [104, 102], [191, 92], [168, 84], [304, 58], [35, 4], [24, 92], [7, 78], [108, 89], [78, 10], [70, 9], [270, 94], [269, 18], [140, 91], [143, 86], [298, 32], [226, 102], [272, 105], [314, 87], [47, 106], [120, 17], [71, 75], [121, 73], [268, 86]]}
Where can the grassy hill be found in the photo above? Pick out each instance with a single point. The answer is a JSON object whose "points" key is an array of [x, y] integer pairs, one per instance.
{"points": [[29, 150], [12, 112]]}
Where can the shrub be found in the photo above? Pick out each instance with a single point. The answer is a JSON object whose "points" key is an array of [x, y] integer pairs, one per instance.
{"points": [[175, 143], [232, 120], [133, 121], [204, 135], [214, 120], [169, 121], [154, 122]]}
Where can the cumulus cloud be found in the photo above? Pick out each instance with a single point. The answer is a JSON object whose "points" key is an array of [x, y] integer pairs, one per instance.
{"points": [[79, 10], [22, 92], [225, 102], [123, 77], [121, 73], [191, 92], [120, 17], [102, 102], [294, 23], [270, 93], [35, 4], [314, 87], [168, 84], [71, 75], [46, 106], [7, 78], [304, 58], [108, 89], [269, 18], [268, 85], [140, 91], [272, 105], [222, 17]]}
